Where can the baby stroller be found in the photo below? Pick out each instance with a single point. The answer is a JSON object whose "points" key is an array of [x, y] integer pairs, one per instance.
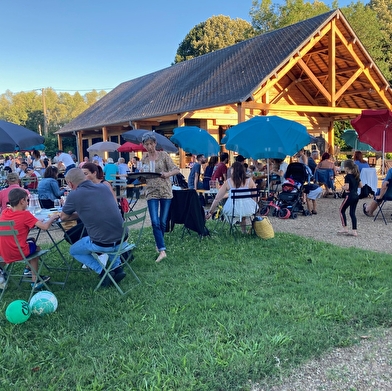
{"points": [[289, 201]]}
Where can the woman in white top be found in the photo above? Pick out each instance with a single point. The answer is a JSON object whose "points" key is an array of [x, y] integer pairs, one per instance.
{"points": [[38, 163], [243, 207]]}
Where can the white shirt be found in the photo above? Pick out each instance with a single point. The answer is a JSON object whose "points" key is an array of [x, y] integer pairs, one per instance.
{"points": [[66, 159]]}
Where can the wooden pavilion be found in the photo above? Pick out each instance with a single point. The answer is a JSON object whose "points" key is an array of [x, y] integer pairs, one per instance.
{"points": [[314, 72]]}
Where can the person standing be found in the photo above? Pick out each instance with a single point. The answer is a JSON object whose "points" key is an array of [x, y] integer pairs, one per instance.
{"points": [[194, 181], [66, 160], [158, 190], [95, 206], [352, 182], [220, 172]]}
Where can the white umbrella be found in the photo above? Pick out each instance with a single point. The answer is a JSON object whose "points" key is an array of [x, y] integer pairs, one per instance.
{"points": [[103, 146]]}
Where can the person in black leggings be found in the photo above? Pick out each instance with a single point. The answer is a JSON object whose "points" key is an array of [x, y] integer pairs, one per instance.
{"points": [[350, 197]]}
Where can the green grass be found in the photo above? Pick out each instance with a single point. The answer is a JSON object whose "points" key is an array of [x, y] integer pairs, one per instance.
{"points": [[216, 314]]}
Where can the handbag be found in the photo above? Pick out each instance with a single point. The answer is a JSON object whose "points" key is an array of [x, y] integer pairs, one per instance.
{"points": [[263, 227]]}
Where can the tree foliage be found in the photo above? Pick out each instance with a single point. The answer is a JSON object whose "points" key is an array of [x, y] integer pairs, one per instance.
{"points": [[26, 109], [215, 33], [372, 22]]}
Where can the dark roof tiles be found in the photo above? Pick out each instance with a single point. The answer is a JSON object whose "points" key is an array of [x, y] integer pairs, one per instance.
{"points": [[226, 76]]}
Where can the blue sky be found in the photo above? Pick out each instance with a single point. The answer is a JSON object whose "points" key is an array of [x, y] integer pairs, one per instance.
{"points": [[80, 45]]}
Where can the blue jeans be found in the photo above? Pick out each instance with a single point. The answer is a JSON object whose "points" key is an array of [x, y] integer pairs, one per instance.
{"points": [[68, 168], [158, 222], [82, 251]]}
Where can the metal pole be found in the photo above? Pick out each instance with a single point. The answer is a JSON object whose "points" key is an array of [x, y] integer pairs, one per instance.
{"points": [[44, 111]]}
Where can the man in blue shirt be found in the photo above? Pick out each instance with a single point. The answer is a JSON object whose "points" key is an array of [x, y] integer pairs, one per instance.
{"points": [[194, 181]]}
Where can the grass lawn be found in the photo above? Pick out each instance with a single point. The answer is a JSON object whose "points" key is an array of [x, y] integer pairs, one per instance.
{"points": [[216, 314]]}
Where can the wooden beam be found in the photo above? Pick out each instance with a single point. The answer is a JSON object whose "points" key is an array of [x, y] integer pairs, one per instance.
{"points": [[181, 122], [332, 63], [348, 83], [291, 62], [314, 79], [302, 108], [302, 88], [376, 87]]}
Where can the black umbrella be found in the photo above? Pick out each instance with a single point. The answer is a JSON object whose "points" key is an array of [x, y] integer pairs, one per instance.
{"points": [[15, 137], [136, 135]]}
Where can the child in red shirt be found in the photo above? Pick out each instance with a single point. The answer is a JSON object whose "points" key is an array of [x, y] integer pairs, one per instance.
{"points": [[24, 221]]}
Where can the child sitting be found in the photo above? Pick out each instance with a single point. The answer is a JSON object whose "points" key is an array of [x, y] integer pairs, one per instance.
{"points": [[24, 221], [311, 192]]}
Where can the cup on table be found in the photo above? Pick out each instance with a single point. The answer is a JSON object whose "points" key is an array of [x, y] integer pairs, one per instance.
{"points": [[57, 204]]}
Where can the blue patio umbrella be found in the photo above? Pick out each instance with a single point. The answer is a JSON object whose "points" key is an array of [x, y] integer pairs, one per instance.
{"points": [[38, 147], [195, 141], [265, 137], [350, 136]]}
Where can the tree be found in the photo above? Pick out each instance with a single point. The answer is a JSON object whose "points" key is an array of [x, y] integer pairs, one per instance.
{"points": [[383, 9], [26, 109], [215, 33], [372, 23]]}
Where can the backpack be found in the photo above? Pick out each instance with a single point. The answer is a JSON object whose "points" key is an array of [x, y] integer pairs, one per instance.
{"points": [[180, 181]]}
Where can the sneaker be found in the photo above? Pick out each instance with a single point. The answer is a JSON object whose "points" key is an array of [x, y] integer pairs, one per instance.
{"points": [[119, 274], [3, 279], [103, 259], [107, 281], [27, 272], [39, 284]]}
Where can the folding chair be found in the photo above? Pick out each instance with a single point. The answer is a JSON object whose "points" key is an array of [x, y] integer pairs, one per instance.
{"points": [[240, 194], [326, 177], [125, 249], [7, 229], [386, 197], [133, 195]]}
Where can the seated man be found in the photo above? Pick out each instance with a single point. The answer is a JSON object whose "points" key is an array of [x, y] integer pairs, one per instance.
{"points": [[95, 205], [24, 221], [369, 209]]}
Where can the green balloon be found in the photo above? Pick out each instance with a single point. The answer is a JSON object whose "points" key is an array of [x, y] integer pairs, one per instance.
{"points": [[18, 311]]}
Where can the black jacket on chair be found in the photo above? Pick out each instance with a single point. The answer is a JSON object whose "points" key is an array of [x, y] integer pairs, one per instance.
{"points": [[186, 209]]}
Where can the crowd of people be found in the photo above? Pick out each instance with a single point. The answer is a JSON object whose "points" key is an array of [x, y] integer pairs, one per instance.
{"points": [[93, 176]]}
